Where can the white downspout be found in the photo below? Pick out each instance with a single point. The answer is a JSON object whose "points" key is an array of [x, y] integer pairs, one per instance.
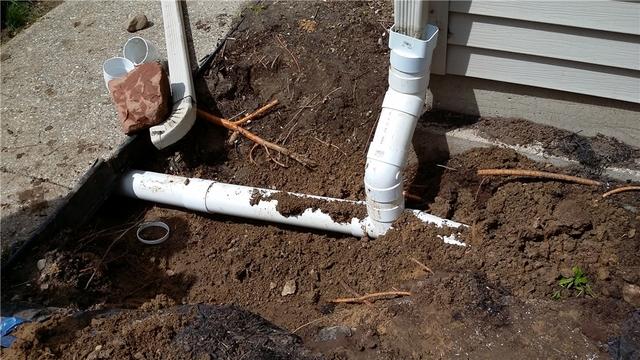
{"points": [[183, 114], [237, 200], [402, 106]]}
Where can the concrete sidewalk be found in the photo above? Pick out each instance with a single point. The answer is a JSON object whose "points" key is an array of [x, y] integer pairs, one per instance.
{"points": [[57, 118]]}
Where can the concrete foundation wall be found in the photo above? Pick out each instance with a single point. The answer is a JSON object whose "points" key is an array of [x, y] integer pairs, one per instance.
{"points": [[587, 114]]}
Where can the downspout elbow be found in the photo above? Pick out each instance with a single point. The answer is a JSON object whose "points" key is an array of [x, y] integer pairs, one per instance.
{"points": [[402, 106]]}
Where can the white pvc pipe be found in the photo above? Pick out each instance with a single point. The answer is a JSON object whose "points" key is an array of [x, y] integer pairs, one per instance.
{"points": [[237, 200], [183, 114], [403, 104]]}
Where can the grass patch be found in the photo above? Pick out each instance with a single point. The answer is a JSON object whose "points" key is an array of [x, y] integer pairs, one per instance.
{"points": [[18, 14]]}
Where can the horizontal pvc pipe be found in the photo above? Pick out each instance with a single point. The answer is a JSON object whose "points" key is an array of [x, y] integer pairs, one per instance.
{"points": [[237, 200]]}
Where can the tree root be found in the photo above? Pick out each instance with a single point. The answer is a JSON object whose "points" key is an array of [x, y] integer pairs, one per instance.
{"points": [[621, 189], [373, 297], [235, 126], [537, 174]]}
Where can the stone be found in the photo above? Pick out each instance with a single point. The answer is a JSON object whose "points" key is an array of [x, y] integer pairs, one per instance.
{"points": [[603, 274], [137, 23], [142, 97], [272, 285], [331, 333], [631, 294], [315, 276], [41, 264], [289, 288]]}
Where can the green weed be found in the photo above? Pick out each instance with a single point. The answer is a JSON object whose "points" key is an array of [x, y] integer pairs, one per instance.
{"points": [[18, 13], [577, 284]]}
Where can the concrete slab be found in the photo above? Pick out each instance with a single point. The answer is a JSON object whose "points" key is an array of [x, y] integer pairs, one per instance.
{"points": [[57, 118]]}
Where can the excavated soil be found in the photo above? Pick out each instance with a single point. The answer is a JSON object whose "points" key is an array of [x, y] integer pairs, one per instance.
{"points": [[594, 153], [113, 297]]}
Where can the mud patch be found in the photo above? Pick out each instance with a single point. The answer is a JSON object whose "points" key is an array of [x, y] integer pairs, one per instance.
{"points": [[294, 205]]}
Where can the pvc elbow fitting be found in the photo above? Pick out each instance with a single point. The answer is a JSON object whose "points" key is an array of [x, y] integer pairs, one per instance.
{"points": [[402, 106]]}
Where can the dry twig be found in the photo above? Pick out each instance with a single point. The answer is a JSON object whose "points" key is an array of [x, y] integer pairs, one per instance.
{"points": [[374, 297], [621, 189], [307, 324], [330, 144], [537, 174], [425, 267], [284, 46], [411, 196], [256, 113], [95, 269], [353, 292], [255, 138]]}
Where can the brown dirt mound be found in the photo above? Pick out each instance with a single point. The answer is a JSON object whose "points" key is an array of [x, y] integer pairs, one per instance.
{"points": [[182, 332]]}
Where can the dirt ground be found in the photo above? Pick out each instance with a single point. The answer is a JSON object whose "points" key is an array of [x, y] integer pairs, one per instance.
{"points": [[109, 296]]}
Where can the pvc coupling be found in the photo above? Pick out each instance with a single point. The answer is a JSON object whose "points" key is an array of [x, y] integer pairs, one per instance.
{"points": [[402, 106]]}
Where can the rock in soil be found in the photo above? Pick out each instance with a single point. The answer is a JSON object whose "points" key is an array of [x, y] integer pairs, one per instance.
{"points": [[137, 23], [631, 294], [332, 333], [289, 288]]}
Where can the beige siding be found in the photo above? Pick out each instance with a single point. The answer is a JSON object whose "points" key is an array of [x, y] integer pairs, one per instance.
{"points": [[554, 41], [619, 84], [616, 16], [585, 47]]}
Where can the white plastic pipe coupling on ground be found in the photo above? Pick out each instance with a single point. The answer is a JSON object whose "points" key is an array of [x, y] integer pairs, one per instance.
{"points": [[402, 106]]}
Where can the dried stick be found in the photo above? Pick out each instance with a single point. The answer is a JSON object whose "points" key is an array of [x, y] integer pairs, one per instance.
{"points": [[255, 138], [374, 296], [621, 189], [409, 195], [537, 174], [256, 113], [307, 324], [425, 267], [97, 267], [330, 144], [353, 292], [282, 45]]}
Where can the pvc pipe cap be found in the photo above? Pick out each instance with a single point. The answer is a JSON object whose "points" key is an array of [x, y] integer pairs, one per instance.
{"points": [[116, 68], [139, 51]]}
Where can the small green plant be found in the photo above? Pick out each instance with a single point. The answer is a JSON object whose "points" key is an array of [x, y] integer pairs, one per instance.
{"points": [[258, 8], [578, 283], [18, 13]]}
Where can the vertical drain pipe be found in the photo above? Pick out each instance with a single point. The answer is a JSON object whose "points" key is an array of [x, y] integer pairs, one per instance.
{"points": [[411, 41]]}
